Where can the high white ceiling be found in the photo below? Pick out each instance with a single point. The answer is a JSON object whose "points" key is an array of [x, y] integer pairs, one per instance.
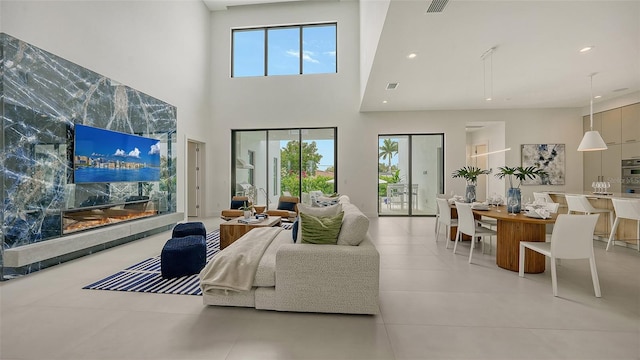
{"points": [[536, 64]]}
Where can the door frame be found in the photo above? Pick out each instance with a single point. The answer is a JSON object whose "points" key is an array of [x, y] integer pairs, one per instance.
{"points": [[198, 174]]}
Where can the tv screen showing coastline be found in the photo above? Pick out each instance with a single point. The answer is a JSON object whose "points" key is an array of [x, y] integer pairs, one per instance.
{"points": [[108, 156]]}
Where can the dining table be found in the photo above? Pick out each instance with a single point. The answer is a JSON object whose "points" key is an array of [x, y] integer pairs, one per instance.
{"points": [[513, 228]]}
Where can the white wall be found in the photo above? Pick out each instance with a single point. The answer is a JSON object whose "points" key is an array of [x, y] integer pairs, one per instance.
{"points": [[158, 47], [372, 18], [282, 101]]}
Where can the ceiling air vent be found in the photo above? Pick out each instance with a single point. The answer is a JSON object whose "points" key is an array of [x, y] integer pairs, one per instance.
{"points": [[392, 86], [437, 6]]}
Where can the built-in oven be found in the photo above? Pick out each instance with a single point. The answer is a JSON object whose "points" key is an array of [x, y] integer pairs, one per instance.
{"points": [[631, 176]]}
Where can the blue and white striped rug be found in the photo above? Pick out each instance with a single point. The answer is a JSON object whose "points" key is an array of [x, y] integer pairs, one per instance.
{"points": [[145, 276]]}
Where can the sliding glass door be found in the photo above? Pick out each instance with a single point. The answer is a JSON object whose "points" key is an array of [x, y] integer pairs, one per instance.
{"points": [[271, 163], [410, 173]]}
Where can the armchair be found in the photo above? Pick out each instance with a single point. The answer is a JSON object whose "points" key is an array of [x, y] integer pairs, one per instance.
{"points": [[234, 209], [287, 208]]}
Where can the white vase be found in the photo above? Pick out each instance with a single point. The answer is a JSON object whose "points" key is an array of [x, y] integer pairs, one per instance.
{"points": [[247, 214]]}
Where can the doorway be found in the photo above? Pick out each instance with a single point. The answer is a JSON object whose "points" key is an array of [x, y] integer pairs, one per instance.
{"points": [[195, 151], [410, 173], [482, 163]]}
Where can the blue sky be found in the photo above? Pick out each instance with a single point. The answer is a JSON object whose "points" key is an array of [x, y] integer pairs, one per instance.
{"points": [[95, 142], [318, 52]]}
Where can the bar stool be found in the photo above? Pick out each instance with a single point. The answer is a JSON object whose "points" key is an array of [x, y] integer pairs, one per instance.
{"points": [[580, 203], [625, 209]]}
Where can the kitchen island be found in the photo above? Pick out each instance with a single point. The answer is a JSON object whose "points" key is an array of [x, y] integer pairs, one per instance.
{"points": [[626, 234]]}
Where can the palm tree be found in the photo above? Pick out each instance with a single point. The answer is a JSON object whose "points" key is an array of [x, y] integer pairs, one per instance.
{"points": [[388, 149]]}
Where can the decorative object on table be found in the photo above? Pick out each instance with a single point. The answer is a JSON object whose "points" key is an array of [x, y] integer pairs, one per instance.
{"points": [[247, 210], [514, 198], [548, 157], [470, 173]]}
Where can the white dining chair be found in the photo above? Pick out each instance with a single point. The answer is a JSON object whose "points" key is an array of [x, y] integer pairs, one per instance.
{"points": [[625, 209], [552, 207], [437, 227], [445, 219], [580, 203], [572, 238], [468, 225], [542, 196]]}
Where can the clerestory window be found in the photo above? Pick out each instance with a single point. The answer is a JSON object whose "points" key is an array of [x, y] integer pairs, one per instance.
{"points": [[284, 50]]}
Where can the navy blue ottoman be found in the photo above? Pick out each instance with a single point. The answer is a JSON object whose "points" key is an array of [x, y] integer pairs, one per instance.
{"points": [[189, 228], [183, 256]]}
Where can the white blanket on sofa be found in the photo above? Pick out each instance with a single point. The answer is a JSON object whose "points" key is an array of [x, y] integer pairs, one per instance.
{"points": [[234, 268]]}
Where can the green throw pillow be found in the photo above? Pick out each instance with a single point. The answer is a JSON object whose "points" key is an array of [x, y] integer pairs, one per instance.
{"points": [[320, 229]]}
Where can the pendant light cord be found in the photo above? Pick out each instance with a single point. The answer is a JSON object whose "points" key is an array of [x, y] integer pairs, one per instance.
{"points": [[591, 105]]}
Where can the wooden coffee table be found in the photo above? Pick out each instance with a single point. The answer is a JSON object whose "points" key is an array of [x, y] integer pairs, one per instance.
{"points": [[233, 230]]}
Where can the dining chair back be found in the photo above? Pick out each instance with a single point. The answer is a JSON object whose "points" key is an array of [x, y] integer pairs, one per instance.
{"points": [[542, 196], [625, 209], [572, 238], [552, 207], [467, 225], [436, 228], [580, 203], [445, 219]]}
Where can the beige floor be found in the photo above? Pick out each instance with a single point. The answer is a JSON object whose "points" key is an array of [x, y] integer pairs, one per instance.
{"points": [[434, 306]]}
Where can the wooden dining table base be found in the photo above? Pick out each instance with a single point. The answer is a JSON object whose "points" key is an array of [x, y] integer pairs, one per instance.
{"points": [[510, 233]]}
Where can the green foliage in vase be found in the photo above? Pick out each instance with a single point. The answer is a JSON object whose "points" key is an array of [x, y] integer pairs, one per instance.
{"points": [[470, 173], [520, 173]]}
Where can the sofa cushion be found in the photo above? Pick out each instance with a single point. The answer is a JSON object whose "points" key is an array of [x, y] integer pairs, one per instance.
{"points": [[266, 272], [354, 226], [294, 229], [320, 229], [332, 210], [237, 204], [287, 205]]}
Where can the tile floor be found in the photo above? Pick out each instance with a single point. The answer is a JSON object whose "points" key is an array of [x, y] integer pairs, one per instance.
{"points": [[434, 305]]}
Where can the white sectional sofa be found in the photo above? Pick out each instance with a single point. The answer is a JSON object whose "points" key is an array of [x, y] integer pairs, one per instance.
{"points": [[314, 278]]}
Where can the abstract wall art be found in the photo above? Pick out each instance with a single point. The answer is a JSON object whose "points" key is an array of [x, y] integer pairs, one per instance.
{"points": [[550, 158]]}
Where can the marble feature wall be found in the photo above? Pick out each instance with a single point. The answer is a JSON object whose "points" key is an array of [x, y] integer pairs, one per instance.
{"points": [[42, 97]]}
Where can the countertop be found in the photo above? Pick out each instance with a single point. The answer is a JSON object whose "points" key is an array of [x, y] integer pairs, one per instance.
{"points": [[598, 196]]}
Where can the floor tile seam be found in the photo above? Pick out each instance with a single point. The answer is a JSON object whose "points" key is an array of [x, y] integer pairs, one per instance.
{"points": [[484, 292], [514, 328], [124, 311]]}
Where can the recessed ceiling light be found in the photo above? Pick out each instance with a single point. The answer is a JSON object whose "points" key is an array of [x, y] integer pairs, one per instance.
{"points": [[384, 101], [412, 56], [597, 96], [488, 99], [586, 48]]}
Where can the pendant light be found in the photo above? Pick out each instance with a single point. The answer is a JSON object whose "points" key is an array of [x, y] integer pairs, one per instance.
{"points": [[592, 141]]}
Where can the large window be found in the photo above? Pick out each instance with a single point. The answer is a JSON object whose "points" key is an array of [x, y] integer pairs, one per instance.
{"points": [[284, 50], [271, 163]]}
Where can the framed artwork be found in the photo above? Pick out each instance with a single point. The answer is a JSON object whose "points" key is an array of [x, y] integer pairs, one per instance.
{"points": [[550, 158]]}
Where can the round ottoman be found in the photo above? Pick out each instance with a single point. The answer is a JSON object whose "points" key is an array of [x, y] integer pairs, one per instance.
{"points": [[183, 256]]}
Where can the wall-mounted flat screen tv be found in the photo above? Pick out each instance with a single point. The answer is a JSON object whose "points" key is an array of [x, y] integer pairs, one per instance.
{"points": [[102, 156]]}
